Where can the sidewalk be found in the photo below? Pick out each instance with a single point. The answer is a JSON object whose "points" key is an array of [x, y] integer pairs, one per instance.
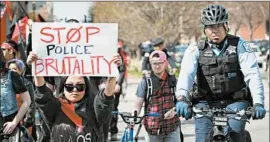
{"points": [[133, 80]]}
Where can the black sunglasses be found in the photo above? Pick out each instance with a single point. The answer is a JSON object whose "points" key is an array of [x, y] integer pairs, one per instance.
{"points": [[70, 87]]}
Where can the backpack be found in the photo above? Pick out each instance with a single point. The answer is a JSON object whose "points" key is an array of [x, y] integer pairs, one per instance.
{"points": [[172, 81]]}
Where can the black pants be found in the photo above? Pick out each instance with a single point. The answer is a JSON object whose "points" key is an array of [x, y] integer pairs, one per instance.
{"points": [[106, 126], [9, 118], [114, 119]]}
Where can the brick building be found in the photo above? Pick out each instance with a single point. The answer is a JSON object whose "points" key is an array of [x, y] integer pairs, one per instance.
{"points": [[261, 33]]}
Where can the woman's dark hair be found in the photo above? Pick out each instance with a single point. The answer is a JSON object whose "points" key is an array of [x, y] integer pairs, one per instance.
{"points": [[60, 90], [50, 80], [63, 133]]}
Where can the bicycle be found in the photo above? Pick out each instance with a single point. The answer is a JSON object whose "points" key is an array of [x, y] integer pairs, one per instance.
{"points": [[20, 134], [220, 119], [131, 121]]}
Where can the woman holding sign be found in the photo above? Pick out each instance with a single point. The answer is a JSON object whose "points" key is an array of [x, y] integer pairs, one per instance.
{"points": [[76, 105]]}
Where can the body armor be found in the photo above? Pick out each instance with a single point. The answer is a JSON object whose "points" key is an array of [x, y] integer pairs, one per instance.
{"points": [[220, 77]]}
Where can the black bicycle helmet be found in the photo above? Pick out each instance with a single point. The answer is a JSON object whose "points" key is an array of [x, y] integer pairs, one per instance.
{"points": [[214, 14]]}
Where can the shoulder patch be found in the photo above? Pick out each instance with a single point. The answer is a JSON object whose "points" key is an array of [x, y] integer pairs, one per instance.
{"points": [[247, 47]]}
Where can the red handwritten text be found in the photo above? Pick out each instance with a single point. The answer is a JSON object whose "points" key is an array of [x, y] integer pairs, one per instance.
{"points": [[70, 35], [71, 65]]}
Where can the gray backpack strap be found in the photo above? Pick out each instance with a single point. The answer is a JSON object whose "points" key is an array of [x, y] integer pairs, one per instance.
{"points": [[149, 92], [149, 87]]}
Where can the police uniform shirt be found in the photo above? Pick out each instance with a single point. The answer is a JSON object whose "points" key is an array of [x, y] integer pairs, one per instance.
{"points": [[247, 61]]}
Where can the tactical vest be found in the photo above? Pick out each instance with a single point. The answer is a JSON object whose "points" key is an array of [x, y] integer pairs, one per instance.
{"points": [[220, 77], [161, 100]]}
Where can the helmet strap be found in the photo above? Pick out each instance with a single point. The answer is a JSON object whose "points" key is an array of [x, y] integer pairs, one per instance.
{"points": [[226, 29]]}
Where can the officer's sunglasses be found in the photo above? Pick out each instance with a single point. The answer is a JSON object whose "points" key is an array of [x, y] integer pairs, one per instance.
{"points": [[70, 87]]}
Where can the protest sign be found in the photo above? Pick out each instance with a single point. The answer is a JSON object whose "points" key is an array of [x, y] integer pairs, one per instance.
{"points": [[84, 49]]}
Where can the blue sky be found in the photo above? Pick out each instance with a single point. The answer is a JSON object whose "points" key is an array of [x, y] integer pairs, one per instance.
{"points": [[74, 10]]}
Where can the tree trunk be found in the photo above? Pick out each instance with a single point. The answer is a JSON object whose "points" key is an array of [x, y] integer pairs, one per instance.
{"points": [[251, 35], [237, 28]]}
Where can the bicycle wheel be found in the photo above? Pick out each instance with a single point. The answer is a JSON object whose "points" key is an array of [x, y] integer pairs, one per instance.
{"points": [[209, 137], [248, 136]]}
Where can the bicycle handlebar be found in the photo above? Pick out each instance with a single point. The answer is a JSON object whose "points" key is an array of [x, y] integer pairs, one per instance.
{"points": [[136, 119], [249, 112]]}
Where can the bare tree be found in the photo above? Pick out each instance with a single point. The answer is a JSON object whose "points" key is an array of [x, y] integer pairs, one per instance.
{"points": [[251, 14], [140, 21]]}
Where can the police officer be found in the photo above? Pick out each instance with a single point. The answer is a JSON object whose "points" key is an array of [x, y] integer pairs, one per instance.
{"points": [[158, 44], [227, 75]]}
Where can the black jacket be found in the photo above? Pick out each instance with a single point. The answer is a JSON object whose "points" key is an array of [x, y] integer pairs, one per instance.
{"points": [[94, 109]]}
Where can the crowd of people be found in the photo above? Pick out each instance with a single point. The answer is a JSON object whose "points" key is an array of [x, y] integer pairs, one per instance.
{"points": [[78, 108]]}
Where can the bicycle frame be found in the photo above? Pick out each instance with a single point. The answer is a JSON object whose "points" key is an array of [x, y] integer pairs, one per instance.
{"points": [[129, 130], [128, 133]]}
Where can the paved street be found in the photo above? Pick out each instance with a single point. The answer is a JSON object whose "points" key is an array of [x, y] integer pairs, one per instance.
{"points": [[259, 129]]}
